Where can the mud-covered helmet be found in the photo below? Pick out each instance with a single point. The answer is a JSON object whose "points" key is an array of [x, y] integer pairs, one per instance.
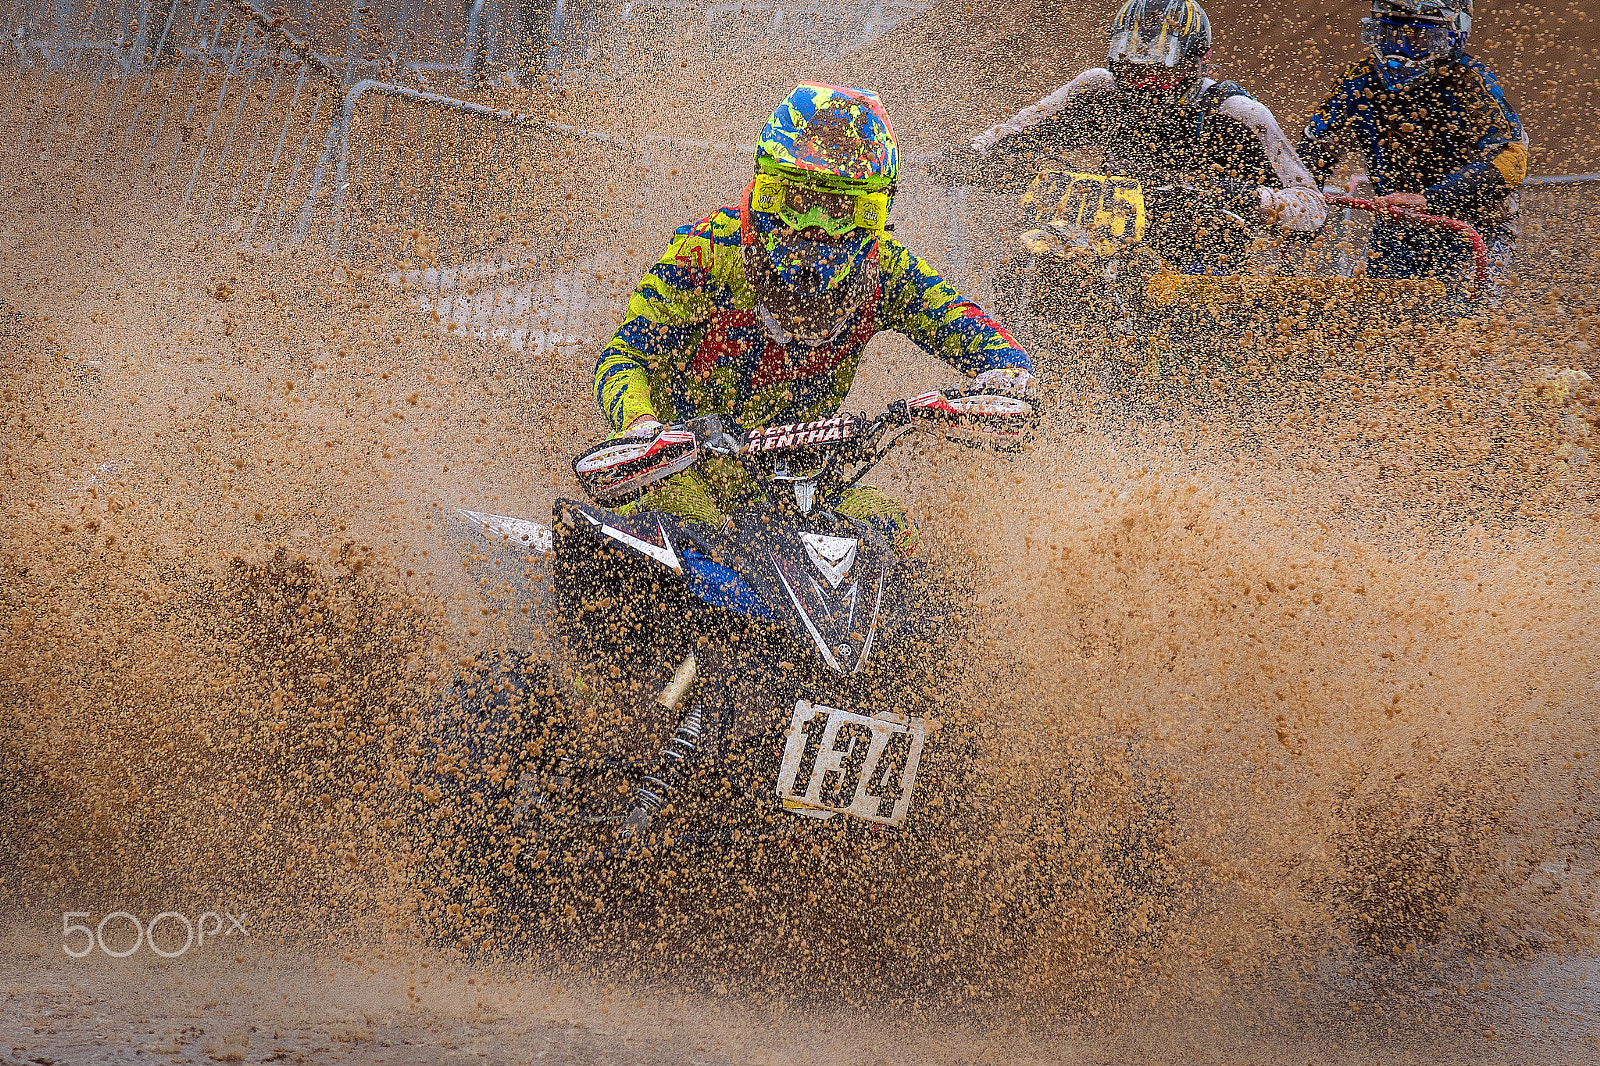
{"points": [[825, 176], [1406, 36], [1159, 47], [832, 137]]}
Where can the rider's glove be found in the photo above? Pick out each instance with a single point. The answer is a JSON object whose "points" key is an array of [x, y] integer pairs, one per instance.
{"points": [[1291, 211], [643, 426], [1009, 378], [1270, 209]]}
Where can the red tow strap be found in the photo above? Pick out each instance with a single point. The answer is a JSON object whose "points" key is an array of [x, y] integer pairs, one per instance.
{"points": [[1480, 253]]}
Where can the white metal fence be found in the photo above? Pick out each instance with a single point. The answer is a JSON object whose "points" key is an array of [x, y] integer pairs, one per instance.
{"points": [[246, 115], [1556, 222]]}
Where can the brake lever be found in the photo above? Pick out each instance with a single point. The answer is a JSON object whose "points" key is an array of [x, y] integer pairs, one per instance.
{"points": [[722, 444], [876, 452]]}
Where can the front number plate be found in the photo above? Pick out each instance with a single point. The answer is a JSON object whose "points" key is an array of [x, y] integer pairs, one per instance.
{"points": [[836, 762]]}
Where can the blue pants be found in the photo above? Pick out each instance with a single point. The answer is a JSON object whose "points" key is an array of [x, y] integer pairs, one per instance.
{"points": [[1414, 252]]}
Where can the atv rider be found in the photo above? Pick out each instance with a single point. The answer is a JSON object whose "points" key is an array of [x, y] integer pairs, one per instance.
{"points": [[1160, 120], [1435, 133], [758, 312]]}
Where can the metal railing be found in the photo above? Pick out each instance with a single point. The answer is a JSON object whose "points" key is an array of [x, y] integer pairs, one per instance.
{"points": [[220, 102], [462, 195], [809, 26], [215, 109], [195, 90], [1559, 180], [1555, 221]]}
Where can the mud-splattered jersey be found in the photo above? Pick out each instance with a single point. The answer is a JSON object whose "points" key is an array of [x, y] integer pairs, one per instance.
{"points": [[1447, 133], [692, 343]]}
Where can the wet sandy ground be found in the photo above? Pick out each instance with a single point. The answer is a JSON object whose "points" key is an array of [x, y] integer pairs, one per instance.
{"points": [[290, 1010], [256, 1002]]}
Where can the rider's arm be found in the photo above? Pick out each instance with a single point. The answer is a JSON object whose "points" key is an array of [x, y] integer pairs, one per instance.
{"points": [[1319, 145], [622, 382], [1054, 123], [664, 314], [924, 307], [1295, 203], [1502, 147]]}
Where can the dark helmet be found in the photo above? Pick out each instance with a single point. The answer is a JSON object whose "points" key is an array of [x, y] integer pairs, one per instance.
{"points": [[1158, 47], [1454, 15], [1405, 37]]}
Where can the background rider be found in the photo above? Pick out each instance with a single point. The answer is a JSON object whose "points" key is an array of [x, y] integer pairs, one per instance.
{"points": [[1160, 119], [1435, 133]]}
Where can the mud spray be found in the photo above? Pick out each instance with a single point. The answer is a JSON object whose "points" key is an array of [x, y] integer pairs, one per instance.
{"points": [[1286, 687]]}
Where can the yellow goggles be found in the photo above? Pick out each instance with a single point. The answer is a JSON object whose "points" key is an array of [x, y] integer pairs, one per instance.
{"points": [[804, 207]]}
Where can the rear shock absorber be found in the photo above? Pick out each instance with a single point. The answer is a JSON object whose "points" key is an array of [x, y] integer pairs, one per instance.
{"points": [[651, 793]]}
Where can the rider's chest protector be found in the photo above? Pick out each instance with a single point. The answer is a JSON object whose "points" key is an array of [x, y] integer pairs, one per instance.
{"points": [[1419, 133], [1194, 142], [739, 371]]}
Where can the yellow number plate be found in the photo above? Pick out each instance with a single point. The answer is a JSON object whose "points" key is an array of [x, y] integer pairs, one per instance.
{"points": [[1087, 212]]}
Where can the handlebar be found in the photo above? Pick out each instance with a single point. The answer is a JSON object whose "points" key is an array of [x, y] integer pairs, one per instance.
{"points": [[821, 451], [1480, 252], [993, 418]]}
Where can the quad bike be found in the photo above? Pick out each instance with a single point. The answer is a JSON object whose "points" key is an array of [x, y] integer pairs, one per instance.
{"points": [[808, 720], [1173, 276]]}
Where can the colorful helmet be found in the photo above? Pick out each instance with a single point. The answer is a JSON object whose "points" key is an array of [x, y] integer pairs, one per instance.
{"points": [[1167, 34], [831, 138], [838, 143]]}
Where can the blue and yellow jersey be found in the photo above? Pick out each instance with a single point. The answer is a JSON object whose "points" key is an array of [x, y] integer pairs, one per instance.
{"points": [[1447, 133], [692, 343]]}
